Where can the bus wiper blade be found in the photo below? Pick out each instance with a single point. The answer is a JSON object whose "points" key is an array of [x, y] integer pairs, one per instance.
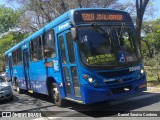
{"points": [[122, 30], [97, 27]]}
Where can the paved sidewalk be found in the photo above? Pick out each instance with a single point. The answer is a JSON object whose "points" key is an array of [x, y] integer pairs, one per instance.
{"points": [[153, 89]]}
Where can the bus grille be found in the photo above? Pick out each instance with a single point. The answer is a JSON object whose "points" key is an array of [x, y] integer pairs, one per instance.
{"points": [[115, 73], [119, 81], [121, 90]]}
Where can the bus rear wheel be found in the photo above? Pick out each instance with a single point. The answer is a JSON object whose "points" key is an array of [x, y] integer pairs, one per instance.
{"points": [[55, 94]]}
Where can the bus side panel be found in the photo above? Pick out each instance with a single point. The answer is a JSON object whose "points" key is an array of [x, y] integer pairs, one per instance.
{"points": [[38, 77], [8, 76], [39, 74], [56, 75], [19, 76]]}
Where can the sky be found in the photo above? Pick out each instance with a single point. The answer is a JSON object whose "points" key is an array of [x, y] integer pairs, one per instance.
{"points": [[155, 2], [8, 4]]}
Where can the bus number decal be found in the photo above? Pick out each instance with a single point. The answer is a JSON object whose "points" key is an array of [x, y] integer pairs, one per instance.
{"points": [[88, 17], [134, 68], [55, 64]]}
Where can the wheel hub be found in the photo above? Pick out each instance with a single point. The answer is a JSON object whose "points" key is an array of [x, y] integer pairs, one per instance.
{"points": [[17, 89], [56, 94]]}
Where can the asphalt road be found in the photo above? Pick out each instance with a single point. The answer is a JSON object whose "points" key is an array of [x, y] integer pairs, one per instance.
{"points": [[146, 103]]}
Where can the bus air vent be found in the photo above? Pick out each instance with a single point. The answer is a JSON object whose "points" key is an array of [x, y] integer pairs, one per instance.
{"points": [[113, 74]]}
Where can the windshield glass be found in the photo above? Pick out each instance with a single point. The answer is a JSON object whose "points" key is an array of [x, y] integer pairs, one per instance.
{"points": [[107, 45]]}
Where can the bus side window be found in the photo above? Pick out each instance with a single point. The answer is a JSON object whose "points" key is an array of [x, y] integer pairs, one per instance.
{"points": [[49, 44], [14, 57], [36, 49], [19, 56], [6, 61]]}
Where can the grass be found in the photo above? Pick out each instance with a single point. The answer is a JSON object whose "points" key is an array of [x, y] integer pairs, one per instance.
{"points": [[149, 78], [153, 82]]}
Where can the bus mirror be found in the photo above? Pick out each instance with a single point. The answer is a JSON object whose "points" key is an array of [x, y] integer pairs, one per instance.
{"points": [[73, 33]]}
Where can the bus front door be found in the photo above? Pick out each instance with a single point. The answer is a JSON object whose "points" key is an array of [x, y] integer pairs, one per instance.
{"points": [[69, 66], [26, 68]]}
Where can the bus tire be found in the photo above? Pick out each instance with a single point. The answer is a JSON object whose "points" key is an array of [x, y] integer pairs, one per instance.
{"points": [[55, 94], [18, 89]]}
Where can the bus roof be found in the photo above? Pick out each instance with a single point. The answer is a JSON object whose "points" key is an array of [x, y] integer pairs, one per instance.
{"points": [[55, 22]]}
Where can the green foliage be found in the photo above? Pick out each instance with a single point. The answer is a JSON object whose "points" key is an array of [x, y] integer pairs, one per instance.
{"points": [[152, 67], [18, 37], [151, 42], [7, 41], [151, 49], [8, 18]]}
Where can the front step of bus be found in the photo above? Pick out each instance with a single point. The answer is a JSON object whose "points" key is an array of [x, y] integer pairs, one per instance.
{"points": [[30, 91]]}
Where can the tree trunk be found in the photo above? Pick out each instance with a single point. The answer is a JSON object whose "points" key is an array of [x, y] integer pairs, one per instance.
{"points": [[149, 48], [140, 8]]}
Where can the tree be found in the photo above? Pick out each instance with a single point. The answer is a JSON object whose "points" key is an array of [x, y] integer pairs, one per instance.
{"points": [[7, 41], [140, 9], [151, 48], [151, 38], [138, 14], [8, 19]]}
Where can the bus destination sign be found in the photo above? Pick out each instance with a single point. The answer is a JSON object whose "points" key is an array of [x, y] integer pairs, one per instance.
{"points": [[99, 16]]}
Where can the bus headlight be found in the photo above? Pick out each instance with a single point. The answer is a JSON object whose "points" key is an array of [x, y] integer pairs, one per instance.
{"points": [[90, 80], [141, 74], [142, 71]]}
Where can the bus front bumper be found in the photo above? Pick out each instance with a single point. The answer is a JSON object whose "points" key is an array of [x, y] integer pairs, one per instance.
{"points": [[97, 94]]}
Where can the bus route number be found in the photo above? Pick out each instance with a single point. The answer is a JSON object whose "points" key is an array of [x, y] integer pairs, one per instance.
{"points": [[131, 69]]}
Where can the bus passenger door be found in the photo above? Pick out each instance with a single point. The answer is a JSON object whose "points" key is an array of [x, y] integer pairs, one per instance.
{"points": [[26, 68], [69, 66]]}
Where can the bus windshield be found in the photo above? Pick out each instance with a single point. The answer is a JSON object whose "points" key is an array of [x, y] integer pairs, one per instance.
{"points": [[107, 45]]}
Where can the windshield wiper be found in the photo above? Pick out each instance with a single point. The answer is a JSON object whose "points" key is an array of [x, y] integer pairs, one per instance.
{"points": [[97, 28], [121, 32]]}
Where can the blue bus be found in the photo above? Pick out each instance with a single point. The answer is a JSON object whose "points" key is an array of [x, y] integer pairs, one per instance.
{"points": [[86, 55]]}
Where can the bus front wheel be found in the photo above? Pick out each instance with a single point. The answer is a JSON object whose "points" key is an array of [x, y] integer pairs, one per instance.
{"points": [[55, 94]]}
